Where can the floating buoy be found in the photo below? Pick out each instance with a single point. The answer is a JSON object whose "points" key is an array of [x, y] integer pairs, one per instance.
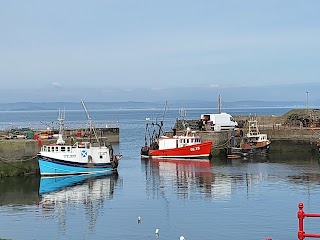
{"points": [[139, 219], [157, 231], [182, 238]]}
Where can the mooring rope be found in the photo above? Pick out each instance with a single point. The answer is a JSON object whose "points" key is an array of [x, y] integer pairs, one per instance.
{"points": [[3, 160]]}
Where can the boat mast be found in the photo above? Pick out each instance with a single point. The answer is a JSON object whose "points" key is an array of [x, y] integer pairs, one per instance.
{"points": [[61, 127], [219, 104], [92, 129], [183, 115]]}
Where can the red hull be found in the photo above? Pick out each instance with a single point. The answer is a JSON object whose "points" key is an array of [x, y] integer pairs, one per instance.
{"points": [[193, 151]]}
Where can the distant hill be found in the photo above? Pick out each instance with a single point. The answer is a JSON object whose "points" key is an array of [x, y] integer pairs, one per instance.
{"points": [[196, 96], [28, 106]]}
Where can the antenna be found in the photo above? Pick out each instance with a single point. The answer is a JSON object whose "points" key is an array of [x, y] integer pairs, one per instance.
{"points": [[182, 113], [219, 104], [92, 129], [163, 110]]}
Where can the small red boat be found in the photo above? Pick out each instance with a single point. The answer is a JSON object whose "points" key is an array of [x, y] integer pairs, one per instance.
{"points": [[184, 146]]}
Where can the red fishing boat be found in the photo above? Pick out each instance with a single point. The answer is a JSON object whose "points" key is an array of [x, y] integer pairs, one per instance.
{"points": [[185, 146]]}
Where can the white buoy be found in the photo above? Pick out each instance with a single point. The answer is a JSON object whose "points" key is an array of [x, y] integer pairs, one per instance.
{"points": [[182, 238], [157, 231], [139, 219]]}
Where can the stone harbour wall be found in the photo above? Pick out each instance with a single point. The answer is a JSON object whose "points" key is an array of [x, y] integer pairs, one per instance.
{"points": [[19, 156]]}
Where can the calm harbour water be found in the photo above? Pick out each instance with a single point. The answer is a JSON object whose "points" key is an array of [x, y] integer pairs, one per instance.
{"points": [[217, 199]]}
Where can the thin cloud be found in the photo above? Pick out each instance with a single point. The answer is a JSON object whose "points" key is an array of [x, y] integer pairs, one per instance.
{"points": [[56, 85], [212, 85]]}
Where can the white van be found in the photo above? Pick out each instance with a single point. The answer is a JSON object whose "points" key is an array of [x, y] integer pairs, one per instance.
{"points": [[219, 121]]}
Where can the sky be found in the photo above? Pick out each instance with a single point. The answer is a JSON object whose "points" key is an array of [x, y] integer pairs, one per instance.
{"points": [[137, 50]]}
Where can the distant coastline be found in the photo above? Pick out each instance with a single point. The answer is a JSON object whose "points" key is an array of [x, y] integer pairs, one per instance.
{"points": [[29, 106]]}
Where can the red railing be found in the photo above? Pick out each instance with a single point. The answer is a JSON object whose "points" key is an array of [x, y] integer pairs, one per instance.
{"points": [[301, 216]]}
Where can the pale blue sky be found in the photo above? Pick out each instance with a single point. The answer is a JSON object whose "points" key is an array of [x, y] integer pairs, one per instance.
{"points": [[118, 46]]}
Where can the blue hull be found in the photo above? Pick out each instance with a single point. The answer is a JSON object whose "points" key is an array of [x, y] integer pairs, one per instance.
{"points": [[52, 168], [52, 184]]}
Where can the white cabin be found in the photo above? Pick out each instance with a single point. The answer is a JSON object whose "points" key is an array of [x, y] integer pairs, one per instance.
{"points": [[179, 141], [254, 134]]}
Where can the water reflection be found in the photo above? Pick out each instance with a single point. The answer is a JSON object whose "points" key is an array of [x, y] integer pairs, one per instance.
{"points": [[184, 177], [21, 190], [220, 178], [58, 195]]}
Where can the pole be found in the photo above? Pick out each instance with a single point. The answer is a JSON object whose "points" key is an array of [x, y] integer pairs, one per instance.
{"points": [[307, 104], [92, 129], [219, 105]]}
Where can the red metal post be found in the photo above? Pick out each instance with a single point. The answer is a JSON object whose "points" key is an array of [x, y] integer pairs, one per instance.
{"points": [[300, 217]]}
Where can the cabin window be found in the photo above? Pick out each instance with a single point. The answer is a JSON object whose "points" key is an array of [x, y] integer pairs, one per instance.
{"points": [[63, 149], [57, 149]]}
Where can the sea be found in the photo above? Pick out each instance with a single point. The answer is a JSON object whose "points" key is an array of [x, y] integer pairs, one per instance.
{"points": [[251, 199]]}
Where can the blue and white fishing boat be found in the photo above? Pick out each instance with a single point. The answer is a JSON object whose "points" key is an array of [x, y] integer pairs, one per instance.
{"points": [[78, 158]]}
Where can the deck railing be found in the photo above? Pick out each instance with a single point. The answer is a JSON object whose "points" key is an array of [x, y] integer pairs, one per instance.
{"points": [[301, 215]]}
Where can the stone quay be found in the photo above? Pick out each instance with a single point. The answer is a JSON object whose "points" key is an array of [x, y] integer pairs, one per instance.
{"points": [[18, 151]]}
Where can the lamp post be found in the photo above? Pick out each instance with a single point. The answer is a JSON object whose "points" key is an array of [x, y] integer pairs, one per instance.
{"points": [[307, 92]]}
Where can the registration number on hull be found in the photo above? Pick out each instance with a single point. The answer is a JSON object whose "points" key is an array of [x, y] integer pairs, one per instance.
{"points": [[69, 156], [193, 149]]}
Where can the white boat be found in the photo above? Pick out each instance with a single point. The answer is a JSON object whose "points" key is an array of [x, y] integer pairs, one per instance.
{"points": [[78, 158], [252, 143]]}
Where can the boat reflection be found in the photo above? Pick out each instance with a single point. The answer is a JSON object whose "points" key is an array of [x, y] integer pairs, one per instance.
{"points": [[81, 192], [215, 179], [186, 177]]}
